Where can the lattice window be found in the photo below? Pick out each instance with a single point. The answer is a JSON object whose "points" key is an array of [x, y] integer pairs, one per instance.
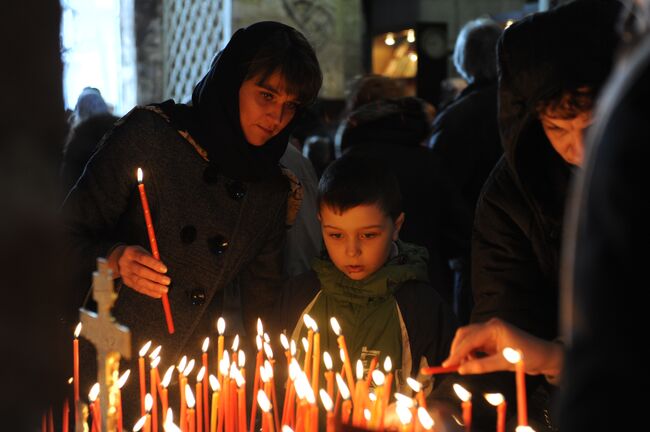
{"points": [[193, 32]]}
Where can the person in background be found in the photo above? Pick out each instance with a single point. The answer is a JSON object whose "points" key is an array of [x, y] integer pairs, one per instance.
{"points": [[552, 66], [90, 120], [465, 135]]}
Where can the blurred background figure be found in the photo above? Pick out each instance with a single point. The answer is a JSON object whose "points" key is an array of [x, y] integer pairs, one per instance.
{"points": [[90, 120], [465, 134]]}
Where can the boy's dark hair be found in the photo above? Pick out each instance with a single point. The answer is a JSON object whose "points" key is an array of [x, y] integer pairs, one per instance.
{"points": [[288, 52], [355, 180], [569, 104]]}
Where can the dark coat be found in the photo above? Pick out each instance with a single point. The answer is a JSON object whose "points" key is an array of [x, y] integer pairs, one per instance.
{"points": [[465, 135], [607, 255], [519, 216]]}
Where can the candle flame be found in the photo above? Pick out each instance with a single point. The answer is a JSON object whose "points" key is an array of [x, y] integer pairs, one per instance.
{"points": [[224, 365], [169, 425], [233, 371], [372, 397], [122, 380], [309, 395], [342, 355], [524, 429], [155, 352], [239, 378], [241, 359], [258, 342], [404, 400], [148, 402], [140, 423], [214, 383], [305, 344], [206, 344], [168, 377], [264, 375], [415, 385], [494, 399], [77, 331], [260, 327], [404, 414], [343, 388], [378, 377], [327, 360], [293, 347], [144, 349], [140, 175], [182, 364], [267, 338], [221, 326], [268, 350], [284, 341], [326, 400], [189, 367], [425, 419], [388, 364], [155, 362], [462, 393], [263, 401], [512, 355], [199, 376], [189, 397], [301, 383], [294, 369], [359, 369], [94, 392], [70, 380], [366, 414], [308, 320], [235, 343], [335, 326], [286, 428]]}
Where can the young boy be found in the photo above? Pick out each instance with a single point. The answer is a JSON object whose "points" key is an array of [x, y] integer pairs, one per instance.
{"points": [[374, 285]]}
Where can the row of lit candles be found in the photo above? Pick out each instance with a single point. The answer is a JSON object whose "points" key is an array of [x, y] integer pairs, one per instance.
{"points": [[354, 403]]}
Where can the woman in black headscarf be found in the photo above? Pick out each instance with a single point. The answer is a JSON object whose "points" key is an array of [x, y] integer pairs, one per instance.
{"points": [[217, 195]]}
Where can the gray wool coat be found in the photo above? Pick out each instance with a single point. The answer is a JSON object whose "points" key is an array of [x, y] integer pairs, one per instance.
{"points": [[211, 231]]}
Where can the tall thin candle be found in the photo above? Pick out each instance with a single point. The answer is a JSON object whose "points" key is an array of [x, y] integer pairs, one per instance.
{"points": [[204, 360], [497, 400], [154, 247], [346, 363], [143, 384], [221, 327], [199, 399], [466, 405], [164, 398], [515, 357], [214, 383], [120, 383]]}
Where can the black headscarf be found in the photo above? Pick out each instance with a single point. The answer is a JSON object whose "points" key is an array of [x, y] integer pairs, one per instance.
{"points": [[213, 119]]}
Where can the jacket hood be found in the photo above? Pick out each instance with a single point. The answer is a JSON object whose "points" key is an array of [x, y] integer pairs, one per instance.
{"points": [[409, 264], [542, 56]]}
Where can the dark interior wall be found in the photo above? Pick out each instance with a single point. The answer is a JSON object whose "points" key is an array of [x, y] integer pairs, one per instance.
{"points": [[148, 39]]}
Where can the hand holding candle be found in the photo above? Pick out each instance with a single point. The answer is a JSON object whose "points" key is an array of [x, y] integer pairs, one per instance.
{"points": [[154, 247]]}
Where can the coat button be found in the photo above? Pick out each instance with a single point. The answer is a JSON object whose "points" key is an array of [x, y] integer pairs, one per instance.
{"points": [[197, 297], [188, 234], [236, 189], [218, 244], [211, 174]]}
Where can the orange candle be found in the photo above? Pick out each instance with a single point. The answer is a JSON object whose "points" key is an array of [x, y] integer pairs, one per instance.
{"points": [[329, 408], [435, 370], [359, 396], [258, 364], [190, 419], [388, 383], [204, 359], [214, 383], [315, 360], [416, 386], [65, 415], [346, 362], [516, 357], [94, 406], [346, 410], [265, 406], [164, 399], [329, 374], [199, 399], [309, 323], [221, 327], [75, 376], [148, 403], [466, 405], [153, 378], [143, 384], [425, 419], [120, 383], [232, 411], [241, 402], [154, 247], [497, 400]]}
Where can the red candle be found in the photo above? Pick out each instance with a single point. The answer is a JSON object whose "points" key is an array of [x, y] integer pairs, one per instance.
{"points": [[94, 406], [241, 403], [221, 327], [497, 400], [191, 419], [346, 362], [154, 393], [435, 370], [388, 383], [204, 359], [120, 383], [143, 384], [65, 416], [154, 247], [164, 396], [199, 399], [515, 357], [258, 364], [75, 377]]}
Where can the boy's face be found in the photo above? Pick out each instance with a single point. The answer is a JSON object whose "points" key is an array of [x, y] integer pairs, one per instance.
{"points": [[265, 108], [360, 239], [567, 134]]}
